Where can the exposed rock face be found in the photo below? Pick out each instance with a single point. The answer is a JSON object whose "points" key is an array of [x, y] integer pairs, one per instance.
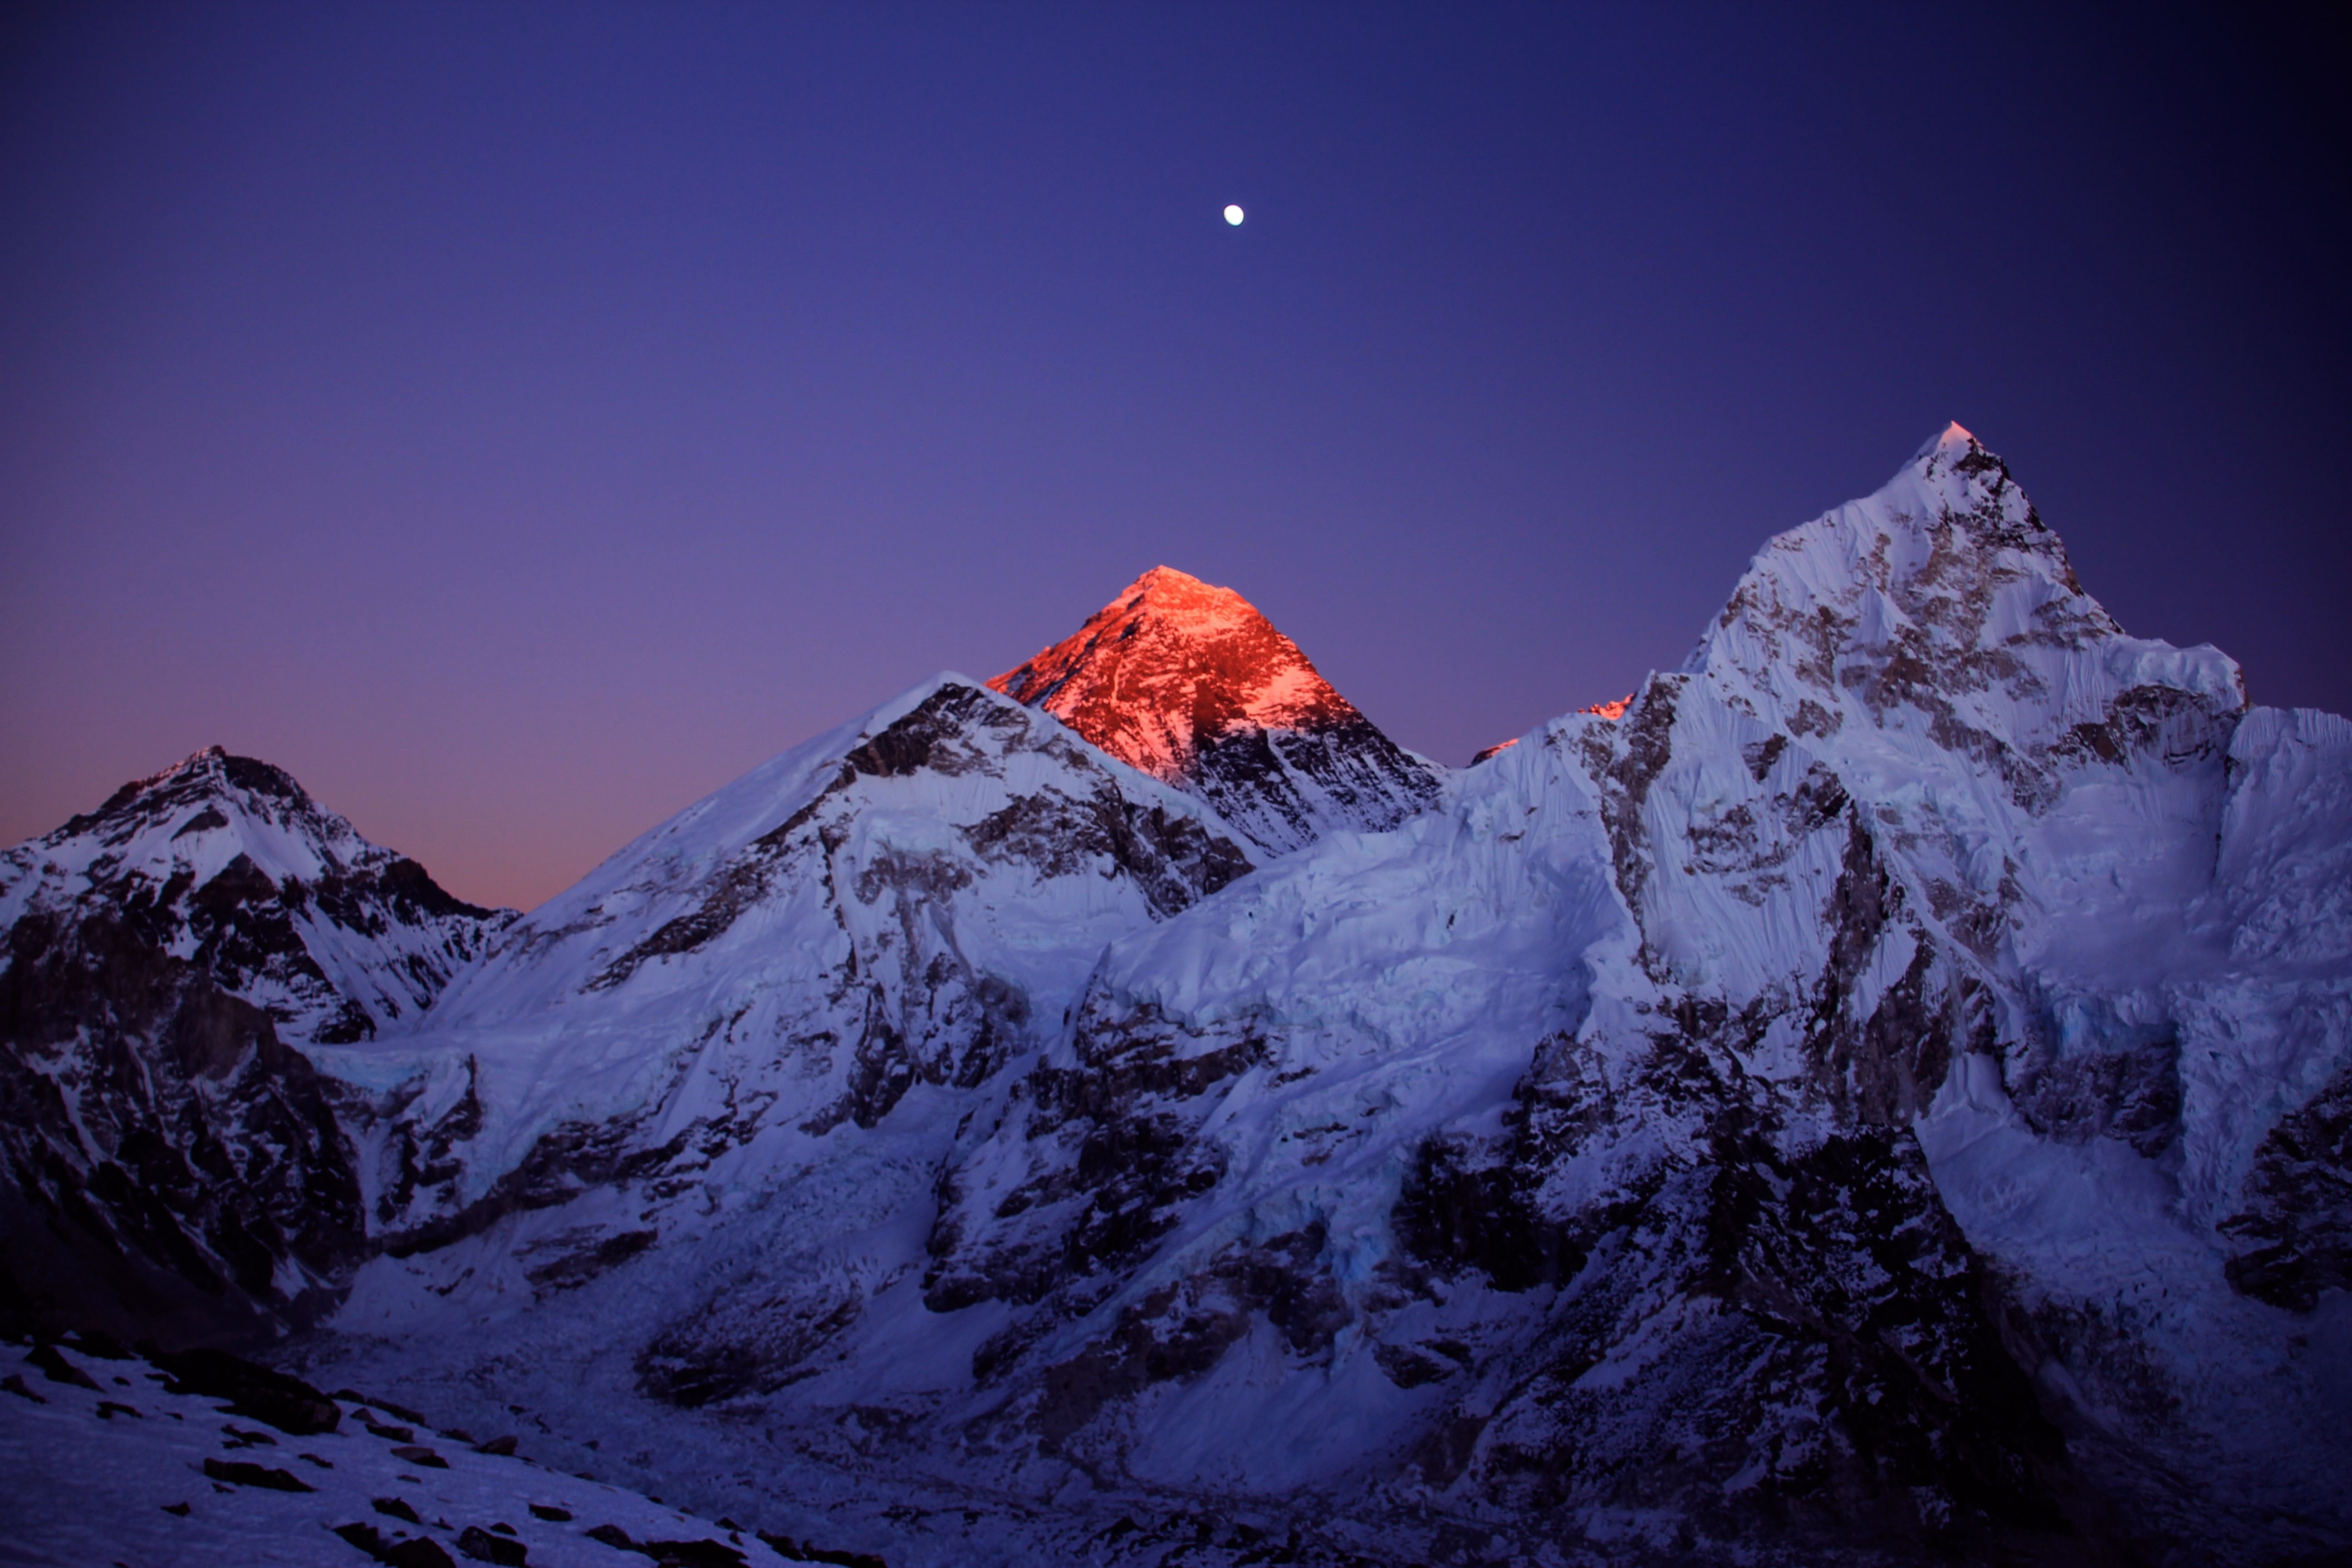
{"points": [[2296, 1227], [175, 1161], [1191, 684]]}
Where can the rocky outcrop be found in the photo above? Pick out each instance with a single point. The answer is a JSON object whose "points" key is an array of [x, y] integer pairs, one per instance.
{"points": [[2294, 1233]]}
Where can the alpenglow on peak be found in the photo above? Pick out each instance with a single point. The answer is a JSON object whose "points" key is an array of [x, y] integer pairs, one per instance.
{"points": [[1189, 682]]}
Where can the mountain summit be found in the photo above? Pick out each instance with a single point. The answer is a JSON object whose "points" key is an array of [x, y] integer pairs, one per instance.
{"points": [[1189, 682], [1169, 668], [224, 862]]}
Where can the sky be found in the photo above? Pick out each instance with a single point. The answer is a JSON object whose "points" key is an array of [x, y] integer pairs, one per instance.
{"points": [[518, 420]]}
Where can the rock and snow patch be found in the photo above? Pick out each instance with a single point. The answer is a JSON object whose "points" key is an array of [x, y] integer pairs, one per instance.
{"points": [[111, 1461]]}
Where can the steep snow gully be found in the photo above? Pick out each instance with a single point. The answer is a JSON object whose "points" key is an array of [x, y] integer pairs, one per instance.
{"points": [[1880, 1089]]}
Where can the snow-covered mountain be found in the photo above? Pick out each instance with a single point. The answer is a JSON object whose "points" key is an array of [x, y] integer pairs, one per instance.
{"points": [[173, 1158], [1884, 1090], [1840, 1097], [1191, 684], [896, 908]]}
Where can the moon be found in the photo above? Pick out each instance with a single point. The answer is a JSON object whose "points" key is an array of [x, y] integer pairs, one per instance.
{"points": [[1233, 216]]}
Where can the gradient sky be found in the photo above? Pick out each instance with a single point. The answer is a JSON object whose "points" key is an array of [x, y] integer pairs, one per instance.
{"points": [[518, 420]]}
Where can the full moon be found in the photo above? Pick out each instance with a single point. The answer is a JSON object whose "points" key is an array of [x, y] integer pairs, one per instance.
{"points": [[1233, 216]]}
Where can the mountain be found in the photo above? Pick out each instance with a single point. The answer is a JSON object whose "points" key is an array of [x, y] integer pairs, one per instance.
{"points": [[1191, 684], [170, 957], [1850, 1099], [863, 931], [1882, 1092]]}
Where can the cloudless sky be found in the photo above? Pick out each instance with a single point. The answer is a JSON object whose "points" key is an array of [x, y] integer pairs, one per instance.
{"points": [[518, 420]]}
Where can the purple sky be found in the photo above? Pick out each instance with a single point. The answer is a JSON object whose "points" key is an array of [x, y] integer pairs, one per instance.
{"points": [[517, 421]]}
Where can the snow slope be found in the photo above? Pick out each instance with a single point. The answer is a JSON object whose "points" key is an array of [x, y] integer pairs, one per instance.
{"points": [[883, 918], [116, 1472]]}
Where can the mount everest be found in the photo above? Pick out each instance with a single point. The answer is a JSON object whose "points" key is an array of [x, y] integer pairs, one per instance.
{"points": [[1188, 683], [1883, 1090]]}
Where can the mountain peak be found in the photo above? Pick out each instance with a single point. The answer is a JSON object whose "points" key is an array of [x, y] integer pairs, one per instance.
{"points": [[213, 774], [1168, 667], [1183, 600], [1941, 612], [1186, 681], [1954, 438], [1170, 578]]}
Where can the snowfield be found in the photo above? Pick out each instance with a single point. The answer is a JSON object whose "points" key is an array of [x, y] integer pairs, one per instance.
{"points": [[130, 1472]]}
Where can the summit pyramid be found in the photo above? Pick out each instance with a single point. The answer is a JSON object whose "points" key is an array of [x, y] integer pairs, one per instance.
{"points": [[1189, 682]]}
